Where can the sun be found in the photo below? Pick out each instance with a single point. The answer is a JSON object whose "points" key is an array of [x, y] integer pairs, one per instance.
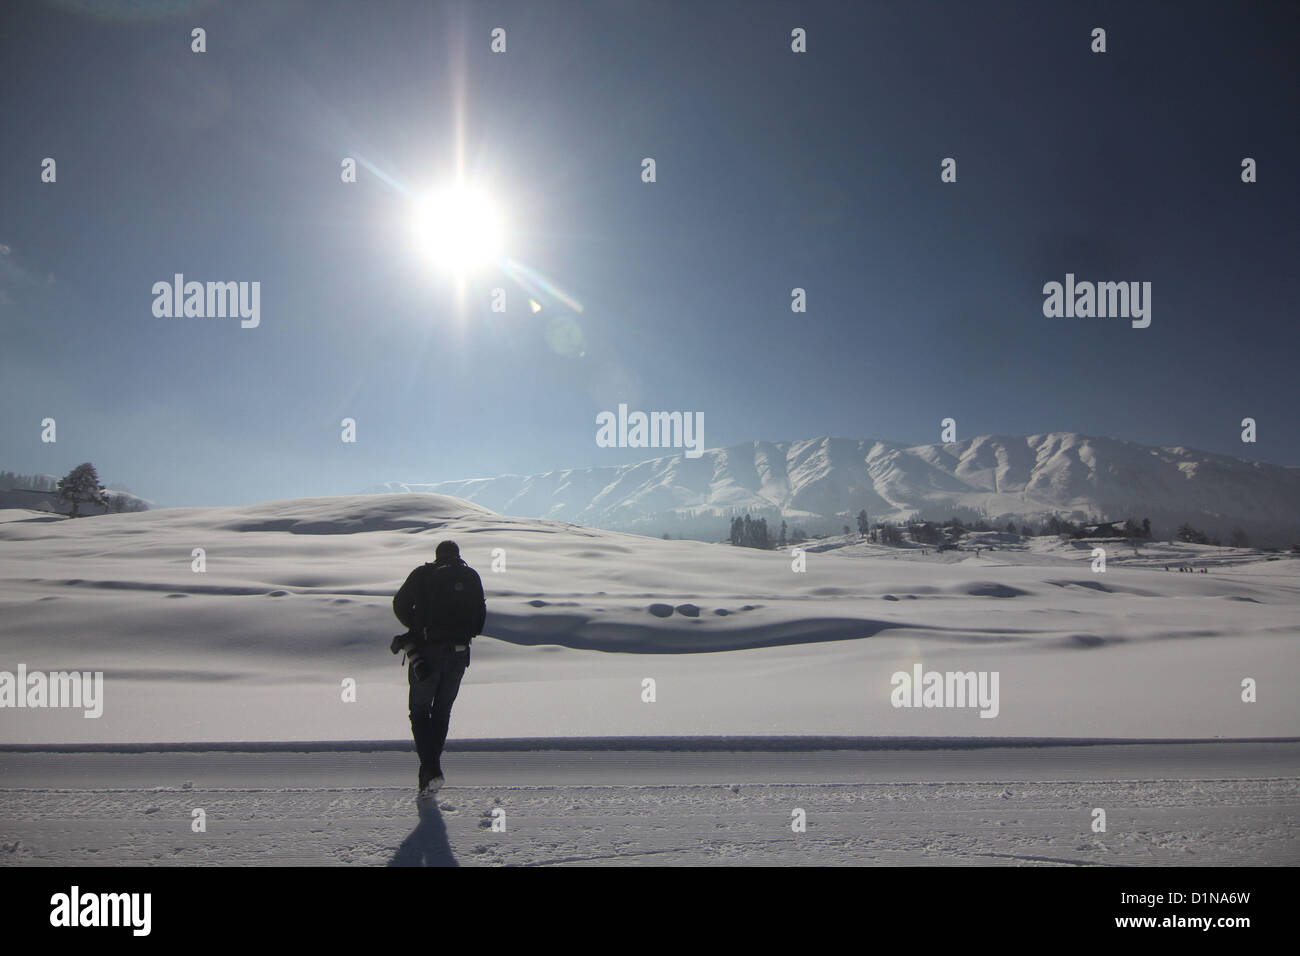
{"points": [[458, 229]]}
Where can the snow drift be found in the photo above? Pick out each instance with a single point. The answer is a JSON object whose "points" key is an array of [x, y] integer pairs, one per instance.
{"points": [[294, 604]]}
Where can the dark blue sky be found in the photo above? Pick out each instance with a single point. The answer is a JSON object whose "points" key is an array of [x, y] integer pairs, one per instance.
{"points": [[775, 170]]}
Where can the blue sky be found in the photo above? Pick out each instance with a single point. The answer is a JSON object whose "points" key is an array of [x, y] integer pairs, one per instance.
{"points": [[775, 170]]}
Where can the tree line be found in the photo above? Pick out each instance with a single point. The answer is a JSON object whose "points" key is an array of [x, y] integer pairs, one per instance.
{"points": [[80, 486], [748, 532]]}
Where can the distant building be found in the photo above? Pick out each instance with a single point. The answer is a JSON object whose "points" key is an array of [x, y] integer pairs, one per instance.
{"points": [[1107, 529]]}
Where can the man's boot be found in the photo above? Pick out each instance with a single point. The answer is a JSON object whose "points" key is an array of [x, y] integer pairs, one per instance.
{"points": [[426, 745]]}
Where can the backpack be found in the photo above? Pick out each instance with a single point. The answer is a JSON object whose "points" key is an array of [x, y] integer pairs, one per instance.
{"points": [[453, 603]]}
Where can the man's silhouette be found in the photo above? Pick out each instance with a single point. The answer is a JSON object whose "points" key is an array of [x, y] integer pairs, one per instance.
{"points": [[443, 609]]}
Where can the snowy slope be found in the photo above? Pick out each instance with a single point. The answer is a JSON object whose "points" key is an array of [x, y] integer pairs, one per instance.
{"points": [[296, 599], [821, 483]]}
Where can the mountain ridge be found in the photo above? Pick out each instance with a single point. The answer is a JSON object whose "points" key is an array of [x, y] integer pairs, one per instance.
{"points": [[821, 484]]}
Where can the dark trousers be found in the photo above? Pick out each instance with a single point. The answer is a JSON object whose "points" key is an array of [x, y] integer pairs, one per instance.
{"points": [[430, 704]]}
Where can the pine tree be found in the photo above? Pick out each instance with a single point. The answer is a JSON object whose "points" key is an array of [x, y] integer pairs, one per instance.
{"points": [[864, 523], [81, 486]]}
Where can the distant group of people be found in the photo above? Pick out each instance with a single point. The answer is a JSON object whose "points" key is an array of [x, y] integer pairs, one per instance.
{"points": [[1185, 568]]}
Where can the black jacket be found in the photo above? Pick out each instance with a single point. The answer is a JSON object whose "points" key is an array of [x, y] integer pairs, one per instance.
{"points": [[411, 604]]}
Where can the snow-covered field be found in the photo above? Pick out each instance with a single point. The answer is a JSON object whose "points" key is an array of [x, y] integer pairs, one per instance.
{"points": [[295, 600], [295, 603], [1229, 803]]}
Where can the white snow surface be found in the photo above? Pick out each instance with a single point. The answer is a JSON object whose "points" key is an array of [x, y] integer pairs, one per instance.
{"points": [[296, 600], [1222, 803]]}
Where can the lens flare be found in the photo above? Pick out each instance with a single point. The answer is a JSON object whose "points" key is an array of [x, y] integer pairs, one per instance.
{"points": [[564, 336]]}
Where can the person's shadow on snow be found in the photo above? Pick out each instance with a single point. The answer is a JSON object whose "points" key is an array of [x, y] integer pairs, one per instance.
{"points": [[427, 844]]}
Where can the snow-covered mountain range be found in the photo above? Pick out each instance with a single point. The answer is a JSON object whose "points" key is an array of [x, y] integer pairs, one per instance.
{"points": [[821, 483]]}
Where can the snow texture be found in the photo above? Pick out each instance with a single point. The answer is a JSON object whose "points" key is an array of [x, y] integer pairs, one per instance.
{"points": [[1167, 804], [296, 599]]}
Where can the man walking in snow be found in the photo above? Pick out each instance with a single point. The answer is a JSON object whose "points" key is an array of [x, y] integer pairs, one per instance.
{"points": [[443, 608]]}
